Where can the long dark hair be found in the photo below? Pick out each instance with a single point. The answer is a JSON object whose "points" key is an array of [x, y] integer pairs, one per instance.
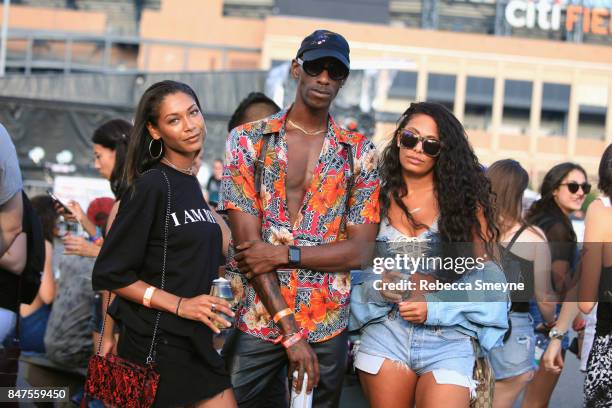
{"points": [[43, 205], [605, 172], [508, 181], [114, 135], [138, 158], [460, 186], [546, 206]]}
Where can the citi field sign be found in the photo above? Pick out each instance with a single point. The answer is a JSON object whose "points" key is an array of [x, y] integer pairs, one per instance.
{"points": [[593, 16]]}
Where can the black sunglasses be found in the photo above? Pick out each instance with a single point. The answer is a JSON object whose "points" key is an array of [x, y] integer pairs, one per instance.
{"points": [[335, 69], [573, 187], [408, 140]]}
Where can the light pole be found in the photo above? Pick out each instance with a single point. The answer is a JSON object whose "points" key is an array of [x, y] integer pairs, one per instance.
{"points": [[5, 23]]}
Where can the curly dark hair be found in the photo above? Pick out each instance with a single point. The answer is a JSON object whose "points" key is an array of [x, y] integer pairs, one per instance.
{"points": [[460, 184]]}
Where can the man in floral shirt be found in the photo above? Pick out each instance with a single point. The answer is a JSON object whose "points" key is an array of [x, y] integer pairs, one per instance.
{"points": [[302, 216]]}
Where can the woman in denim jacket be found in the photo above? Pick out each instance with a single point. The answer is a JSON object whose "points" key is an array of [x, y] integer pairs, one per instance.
{"points": [[437, 241]]}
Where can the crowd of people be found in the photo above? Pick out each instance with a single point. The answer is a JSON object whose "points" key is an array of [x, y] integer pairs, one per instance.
{"points": [[295, 208]]}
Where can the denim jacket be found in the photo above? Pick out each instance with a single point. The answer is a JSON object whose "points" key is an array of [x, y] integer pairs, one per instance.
{"points": [[478, 313]]}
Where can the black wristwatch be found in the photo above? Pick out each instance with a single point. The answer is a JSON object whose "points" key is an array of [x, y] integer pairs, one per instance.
{"points": [[295, 255]]}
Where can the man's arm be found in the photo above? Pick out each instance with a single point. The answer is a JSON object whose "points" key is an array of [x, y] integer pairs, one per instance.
{"points": [[11, 215], [14, 259], [257, 257], [246, 230]]}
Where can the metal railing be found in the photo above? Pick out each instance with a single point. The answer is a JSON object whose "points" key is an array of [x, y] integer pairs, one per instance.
{"points": [[22, 56]]}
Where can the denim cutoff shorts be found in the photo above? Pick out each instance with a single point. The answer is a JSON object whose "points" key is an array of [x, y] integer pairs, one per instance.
{"points": [[515, 356], [444, 351]]}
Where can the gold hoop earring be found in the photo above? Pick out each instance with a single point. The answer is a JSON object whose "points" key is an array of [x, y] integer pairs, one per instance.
{"points": [[161, 149]]}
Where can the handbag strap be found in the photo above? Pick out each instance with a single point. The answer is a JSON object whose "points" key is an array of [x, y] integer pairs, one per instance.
{"points": [[149, 359]]}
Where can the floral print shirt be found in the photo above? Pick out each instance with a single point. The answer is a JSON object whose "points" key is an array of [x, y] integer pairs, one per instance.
{"points": [[320, 300]]}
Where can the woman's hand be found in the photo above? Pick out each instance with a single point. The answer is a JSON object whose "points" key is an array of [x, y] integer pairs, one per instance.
{"points": [[77, 212], [109, 345], [206, 309], [75, 245], [552, 358], [414, 309], [389, 278]]}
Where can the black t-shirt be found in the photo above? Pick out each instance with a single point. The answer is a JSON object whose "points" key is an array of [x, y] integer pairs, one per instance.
{"points": [[133, 251], [561, 239]]}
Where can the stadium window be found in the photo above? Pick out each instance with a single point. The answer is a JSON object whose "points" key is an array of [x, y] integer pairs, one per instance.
{"points": [[441, 89], [555, 107], [592, 122], [517, 104], [404, 85], [478, 103]]}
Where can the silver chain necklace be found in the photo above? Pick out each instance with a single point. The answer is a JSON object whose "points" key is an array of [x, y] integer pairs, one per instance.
{"points": [[188, 171]]}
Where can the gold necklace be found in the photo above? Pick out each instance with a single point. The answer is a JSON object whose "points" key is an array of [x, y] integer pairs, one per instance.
{"points": [[188, 171], [293, 124]]}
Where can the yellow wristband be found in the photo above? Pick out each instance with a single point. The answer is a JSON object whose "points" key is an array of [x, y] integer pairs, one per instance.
{"points": [[279, 315], [146, 299]]}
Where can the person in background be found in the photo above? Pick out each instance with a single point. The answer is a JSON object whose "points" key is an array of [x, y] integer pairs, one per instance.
{"points": [[73, 316], [11, 219], [255, 106], [34, 317], [563, 191], [214, 183], [595, 288], [110, 142], [526, 259]]}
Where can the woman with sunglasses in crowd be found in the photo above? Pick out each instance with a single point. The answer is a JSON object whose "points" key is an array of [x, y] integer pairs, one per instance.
{"points": [[434, 191], [163, 253], [526, 259], [595, 288], [563, 191]]}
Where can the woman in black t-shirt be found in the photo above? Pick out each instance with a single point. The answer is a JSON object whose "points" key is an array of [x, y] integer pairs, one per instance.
{"points": [[168, 134]]}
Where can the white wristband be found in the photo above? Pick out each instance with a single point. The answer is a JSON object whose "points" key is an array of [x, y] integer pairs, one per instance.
{"points": [[146, 299]]}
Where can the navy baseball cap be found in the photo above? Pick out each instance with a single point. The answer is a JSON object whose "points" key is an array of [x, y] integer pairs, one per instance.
{"points": [[325, 43]]}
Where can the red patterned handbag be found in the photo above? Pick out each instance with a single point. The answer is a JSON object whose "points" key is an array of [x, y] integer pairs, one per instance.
{"points": [[116, 381]]}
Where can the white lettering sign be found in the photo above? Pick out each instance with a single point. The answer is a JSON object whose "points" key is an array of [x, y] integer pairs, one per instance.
{"points": [[526, 14]]}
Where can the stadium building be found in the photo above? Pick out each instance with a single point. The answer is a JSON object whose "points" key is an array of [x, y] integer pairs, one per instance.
{"points": [[531, 80]]}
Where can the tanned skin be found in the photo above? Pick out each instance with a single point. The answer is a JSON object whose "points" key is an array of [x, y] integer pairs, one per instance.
{"points": [[258, 260]]}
